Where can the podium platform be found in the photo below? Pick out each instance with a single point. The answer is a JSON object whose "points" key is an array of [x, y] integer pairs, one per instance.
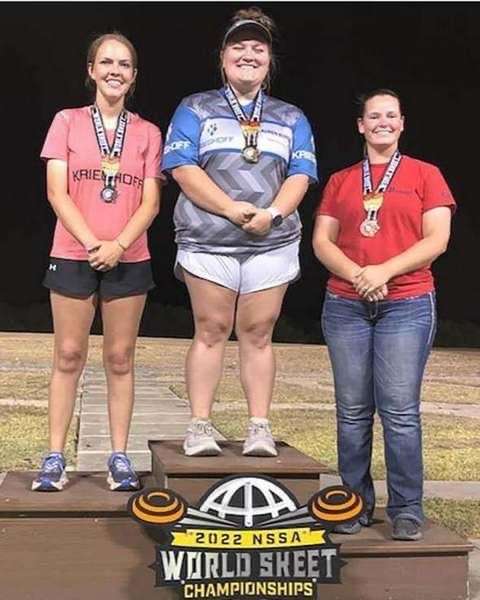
{"points": [[80, 544], [191, 477]]}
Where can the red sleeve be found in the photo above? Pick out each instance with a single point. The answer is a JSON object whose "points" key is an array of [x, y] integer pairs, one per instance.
{"points": [[55, 145], [328, 204], [436, 191], [153, 155]]}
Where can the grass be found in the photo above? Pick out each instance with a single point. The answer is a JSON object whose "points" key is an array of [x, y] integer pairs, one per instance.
{"points": [[25, 385], [304, 374], [24, 438], [451, 444], [230, 392], [458, 515]]}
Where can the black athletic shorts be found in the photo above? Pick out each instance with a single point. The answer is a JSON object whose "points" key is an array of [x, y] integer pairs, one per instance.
{"points": [[77, 278]]}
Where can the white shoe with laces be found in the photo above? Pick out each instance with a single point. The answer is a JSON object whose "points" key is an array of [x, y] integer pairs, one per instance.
{"points": [[199, 440], [259, 440]]}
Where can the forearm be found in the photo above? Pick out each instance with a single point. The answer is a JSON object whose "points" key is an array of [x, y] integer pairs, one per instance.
{"points": [[139, 222], [338, 263], [72, 219], [421, 254], [143, 217], [290, 194], [202, 190]]}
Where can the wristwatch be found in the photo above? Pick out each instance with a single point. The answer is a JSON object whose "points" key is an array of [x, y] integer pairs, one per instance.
{"points": [[277, 217]]}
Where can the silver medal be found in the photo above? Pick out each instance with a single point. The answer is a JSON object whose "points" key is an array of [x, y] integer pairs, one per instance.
{"points": [[109, 194]]}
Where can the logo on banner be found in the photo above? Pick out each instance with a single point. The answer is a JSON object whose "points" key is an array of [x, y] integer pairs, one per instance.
{"points": [[248, 538]]}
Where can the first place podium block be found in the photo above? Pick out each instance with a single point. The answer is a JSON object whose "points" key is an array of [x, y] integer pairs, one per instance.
{"points": [[191, 476]]}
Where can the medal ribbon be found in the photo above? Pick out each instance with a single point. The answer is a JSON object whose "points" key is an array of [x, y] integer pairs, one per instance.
{"points": [[108, 152], [382, 186], [387, 177], [250, 126]]}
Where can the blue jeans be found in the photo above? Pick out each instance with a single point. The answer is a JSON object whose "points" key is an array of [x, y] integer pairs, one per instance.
{"points": [[378, 352]]}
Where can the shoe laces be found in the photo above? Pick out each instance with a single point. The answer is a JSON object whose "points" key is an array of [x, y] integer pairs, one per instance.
{"points": [[121, 463], [201, 428], [259, 428], [52, 464]]}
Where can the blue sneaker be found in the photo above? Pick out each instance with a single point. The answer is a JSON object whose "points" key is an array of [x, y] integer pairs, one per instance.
{"points": [[121, 474], [52, 476]]}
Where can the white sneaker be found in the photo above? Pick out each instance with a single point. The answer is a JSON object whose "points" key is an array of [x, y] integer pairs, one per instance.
{"points": [[259, 440], [199, 440]]}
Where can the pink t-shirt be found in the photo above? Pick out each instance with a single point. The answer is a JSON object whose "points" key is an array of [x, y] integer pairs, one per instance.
{"points": [[71, 138]]}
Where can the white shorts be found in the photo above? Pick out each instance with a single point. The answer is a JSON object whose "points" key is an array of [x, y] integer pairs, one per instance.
{"points": [[243, 273]]}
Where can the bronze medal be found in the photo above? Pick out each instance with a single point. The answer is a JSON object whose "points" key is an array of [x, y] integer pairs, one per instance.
{"points": [[373, 200], [369, 227]]}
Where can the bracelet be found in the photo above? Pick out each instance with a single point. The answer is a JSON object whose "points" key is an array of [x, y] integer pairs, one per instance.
{"points": [[124, 248]]}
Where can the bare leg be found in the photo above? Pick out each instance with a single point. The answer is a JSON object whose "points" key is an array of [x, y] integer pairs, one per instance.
{"points": [[213, 309], [257, 314], [121, 320], [72, 319]]}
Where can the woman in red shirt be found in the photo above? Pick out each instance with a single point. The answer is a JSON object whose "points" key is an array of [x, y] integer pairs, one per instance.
{"points": [[379, 226]]}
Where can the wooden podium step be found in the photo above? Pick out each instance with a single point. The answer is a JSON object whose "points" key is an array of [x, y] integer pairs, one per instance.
{"points": [[81, 544], [191, 476]]}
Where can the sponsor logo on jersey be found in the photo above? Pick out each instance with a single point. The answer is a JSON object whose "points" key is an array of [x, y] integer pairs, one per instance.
{"points": [[97, 175], [178, 145], [305, 155], [212, 128]]}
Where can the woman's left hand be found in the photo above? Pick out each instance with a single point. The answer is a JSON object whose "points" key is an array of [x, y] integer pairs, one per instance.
{"points": [[260, 223], [370, 279], [106, 256]]}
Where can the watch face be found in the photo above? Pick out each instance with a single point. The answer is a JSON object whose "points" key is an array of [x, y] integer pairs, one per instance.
{"points": [[277, 220]]}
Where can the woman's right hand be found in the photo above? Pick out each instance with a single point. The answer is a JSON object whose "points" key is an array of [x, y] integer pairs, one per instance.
{"points": [[240, 212], [379, 294]]}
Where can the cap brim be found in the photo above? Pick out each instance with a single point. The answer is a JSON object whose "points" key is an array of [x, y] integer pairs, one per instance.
{"points": [[242, 29]]}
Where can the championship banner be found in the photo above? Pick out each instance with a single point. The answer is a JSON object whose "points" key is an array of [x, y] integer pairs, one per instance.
{"points": [[248, 538]]}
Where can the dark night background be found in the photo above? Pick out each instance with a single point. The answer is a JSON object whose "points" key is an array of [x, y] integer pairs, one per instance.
{"points": [[328, 54]]}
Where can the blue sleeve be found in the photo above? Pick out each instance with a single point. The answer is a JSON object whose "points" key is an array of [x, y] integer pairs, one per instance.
{"points": [[303, 160], [181, 143]]}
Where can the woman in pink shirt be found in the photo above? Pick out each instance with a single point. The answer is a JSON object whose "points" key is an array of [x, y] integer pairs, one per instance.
{"points": [[103, 182]]}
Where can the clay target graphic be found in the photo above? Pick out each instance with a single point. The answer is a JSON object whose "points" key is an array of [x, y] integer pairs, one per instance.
{"points": [[336, 504]]}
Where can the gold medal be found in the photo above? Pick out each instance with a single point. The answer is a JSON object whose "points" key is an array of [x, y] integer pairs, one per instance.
{"points": [[110, 166], [372, 201], [249, 127]]}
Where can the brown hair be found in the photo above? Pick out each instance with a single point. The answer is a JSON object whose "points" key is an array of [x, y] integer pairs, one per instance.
{"points": [[254, 14], [92, 54], [364, 98]]}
